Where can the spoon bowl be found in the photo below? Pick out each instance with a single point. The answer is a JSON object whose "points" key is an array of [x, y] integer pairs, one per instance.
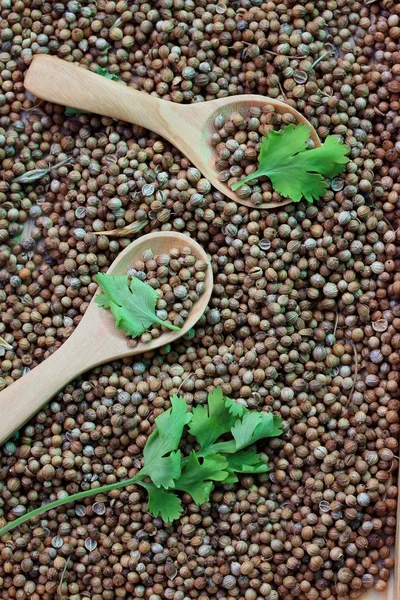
{"points": [[188, 127], [96, 339], [205, 160]]}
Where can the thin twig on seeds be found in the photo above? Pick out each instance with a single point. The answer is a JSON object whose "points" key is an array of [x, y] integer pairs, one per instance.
{"points": [[183, 381], [59, 589], [355, 374], [336, 323]]}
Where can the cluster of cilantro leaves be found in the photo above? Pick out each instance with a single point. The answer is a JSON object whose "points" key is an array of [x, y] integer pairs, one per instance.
{"points": [[225, 435], [295, 171]]}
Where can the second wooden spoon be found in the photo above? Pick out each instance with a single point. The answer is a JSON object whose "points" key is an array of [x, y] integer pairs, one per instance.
{"points": [[188, 127], [96, 339]]}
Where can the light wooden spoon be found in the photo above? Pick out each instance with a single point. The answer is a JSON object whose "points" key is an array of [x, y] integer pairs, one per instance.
{"points": [[96, 339], [188, 127]]}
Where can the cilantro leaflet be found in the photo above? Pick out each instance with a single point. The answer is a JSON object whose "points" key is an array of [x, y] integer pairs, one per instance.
{"points": [[255, 426], [164, 439], [131, 301], [196, 478], [245, 461], [294, 171], [212, 421], [162, 503]]}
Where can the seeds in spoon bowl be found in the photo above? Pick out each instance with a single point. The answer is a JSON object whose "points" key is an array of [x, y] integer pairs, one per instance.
{"points": [[157, 293], [294, 169], [237, 142]]}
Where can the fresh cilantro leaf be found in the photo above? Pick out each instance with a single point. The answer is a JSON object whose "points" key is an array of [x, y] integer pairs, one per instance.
{"points": [[164, 470], [231, 478], [277, 426], [245, 461], [197, 478], [165, 438], [252, 427], [169, 429], [104, 73], [295, 171], [236, 409], [162, 503], [220, 448], [212, 421], [131, 301], [255, 426], [329, 159]]}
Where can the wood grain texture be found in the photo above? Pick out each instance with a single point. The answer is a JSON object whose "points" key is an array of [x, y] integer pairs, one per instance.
{"points": [[187, 127], [96, 339]]}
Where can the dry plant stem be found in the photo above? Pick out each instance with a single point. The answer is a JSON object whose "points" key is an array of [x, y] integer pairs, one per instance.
{"points": [[59, 589], [320, 59], [336, 323], [282, 90], [389, 223], [355, 374], [126, 231], [31, 176], [183, 381]]}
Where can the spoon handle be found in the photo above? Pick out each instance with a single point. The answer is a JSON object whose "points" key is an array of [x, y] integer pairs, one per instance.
{"points": [[59, 81], [27, 395]]}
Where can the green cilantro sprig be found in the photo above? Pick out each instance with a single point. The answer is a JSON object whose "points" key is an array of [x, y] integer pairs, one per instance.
{"points": [[132, 303], [294, 171], [225, 433]]}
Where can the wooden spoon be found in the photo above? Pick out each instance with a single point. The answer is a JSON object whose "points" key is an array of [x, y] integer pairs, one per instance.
{"points": [[96, 340], [188, 127]]}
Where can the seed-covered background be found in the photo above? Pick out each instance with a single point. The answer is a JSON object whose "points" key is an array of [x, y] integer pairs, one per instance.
{"points": [[304, 319]]}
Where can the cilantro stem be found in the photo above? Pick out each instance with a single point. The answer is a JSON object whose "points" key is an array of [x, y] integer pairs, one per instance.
{"points": [[67, 499], [250, 177], [321, 58], [227, 447], [166, 324]]}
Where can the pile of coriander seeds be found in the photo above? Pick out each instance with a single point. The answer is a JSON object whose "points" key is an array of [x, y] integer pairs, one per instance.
{"points": [[237, 142], [179, 280], [304, 319]]}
